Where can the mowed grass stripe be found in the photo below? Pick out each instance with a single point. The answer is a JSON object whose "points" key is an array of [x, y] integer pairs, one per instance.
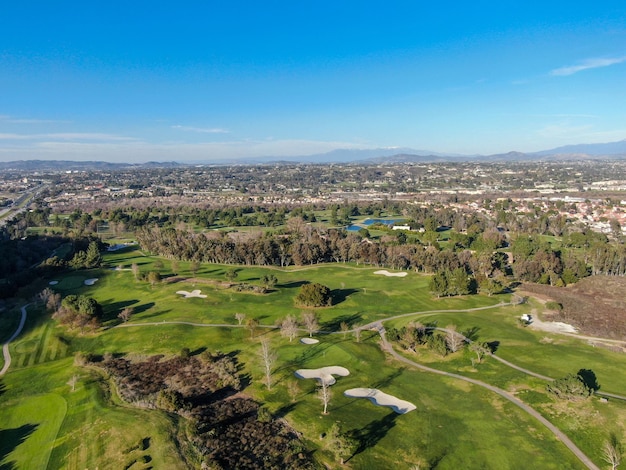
{"points": [[43, 343]]}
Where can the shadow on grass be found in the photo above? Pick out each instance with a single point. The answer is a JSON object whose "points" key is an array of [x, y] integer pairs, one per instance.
{"points": [[335, 323], [589, 379], [493, 346], [471, 333], [370, 434], [10, 439], [293, 284], [340, 295]]}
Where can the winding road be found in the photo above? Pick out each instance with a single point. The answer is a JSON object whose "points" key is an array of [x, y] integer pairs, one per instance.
{"points": [[5, 346]]}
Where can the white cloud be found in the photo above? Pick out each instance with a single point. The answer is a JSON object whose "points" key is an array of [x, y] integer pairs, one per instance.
{"points": [[12, 120], [203, 130], [586, 65]]}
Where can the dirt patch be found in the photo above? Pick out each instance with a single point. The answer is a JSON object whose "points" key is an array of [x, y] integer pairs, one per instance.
{"points": [[595, 305]]}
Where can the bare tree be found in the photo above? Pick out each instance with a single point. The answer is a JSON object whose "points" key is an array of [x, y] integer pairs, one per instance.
{"points": [[268, 357], [454, 340], [135, 269], [480, 349], [324, 394], [612, 451], [53, 304], [73, 381], [309, 319], [293, 389], [240, 317], [357, 333], [125, 314], [252, 324], [344, 328], [44, 295], [339, 443], [289, 327]]}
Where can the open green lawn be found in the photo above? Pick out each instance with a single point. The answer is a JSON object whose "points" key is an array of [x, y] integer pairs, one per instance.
{"points": [[455, 425]]}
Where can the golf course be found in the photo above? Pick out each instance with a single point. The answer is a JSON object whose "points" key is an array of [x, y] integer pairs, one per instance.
{"points": [[58, 410]]}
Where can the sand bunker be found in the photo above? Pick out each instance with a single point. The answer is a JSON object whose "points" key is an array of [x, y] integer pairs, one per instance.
{"points": [[90, 282], [552, 326], [381, 399], [324, 374], [53, 283], [193, 293], [309, 341], [384, 272]]}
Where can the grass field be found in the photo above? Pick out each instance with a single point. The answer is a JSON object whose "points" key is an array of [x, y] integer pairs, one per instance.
{"points": [[456, 425]]}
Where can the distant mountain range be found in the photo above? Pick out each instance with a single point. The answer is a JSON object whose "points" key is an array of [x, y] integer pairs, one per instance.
{"points": [[610, 151]]}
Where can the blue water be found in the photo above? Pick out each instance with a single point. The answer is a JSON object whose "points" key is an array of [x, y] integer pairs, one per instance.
{"points": [[369, 222]]}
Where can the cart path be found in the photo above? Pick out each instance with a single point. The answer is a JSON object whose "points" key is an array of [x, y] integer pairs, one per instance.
{"points": [[5, 346], [504, 394]]}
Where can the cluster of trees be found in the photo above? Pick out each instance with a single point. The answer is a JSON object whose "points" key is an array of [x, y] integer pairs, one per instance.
{"points": [[442, 341], [87, 259], [574, 386], [456, 282], [77, 311]]}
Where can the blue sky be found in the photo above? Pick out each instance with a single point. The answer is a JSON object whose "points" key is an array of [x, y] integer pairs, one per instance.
{"points": [[208, 80]]}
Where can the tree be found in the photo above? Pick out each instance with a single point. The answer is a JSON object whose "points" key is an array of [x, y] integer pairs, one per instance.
{"points": [[154, 278], [324, 394], [309, 320], [612, 451], [93, 259], [570, 387], [480, 349], [73, 381], [339, 443], [125, 314], [231, 275], [357, 333], [438, 284], [454, 340], [135, 269], [344, 328], [269, 281], [240, 317], [194, 266], [314, 295], [268, 356], [252, 324], [45, 295], [175, 266], [289, 327]]}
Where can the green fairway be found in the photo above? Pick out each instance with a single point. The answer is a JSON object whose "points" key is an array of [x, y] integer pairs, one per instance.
{"points": [[28, 429], [455, 424]]}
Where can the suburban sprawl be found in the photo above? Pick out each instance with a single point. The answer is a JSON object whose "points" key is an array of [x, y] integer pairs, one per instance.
{"points": [[394, 313]]}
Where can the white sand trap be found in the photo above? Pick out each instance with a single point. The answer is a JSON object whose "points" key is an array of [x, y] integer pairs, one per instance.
{"points": [[384, 272], [324, 374], [309, 341], [193, 293], [381, 399], [53, 283], [552, 326], [90, 282]]}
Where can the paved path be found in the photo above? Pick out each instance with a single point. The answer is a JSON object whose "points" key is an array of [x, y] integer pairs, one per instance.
{"points": [[504, 394], [5, 346]]}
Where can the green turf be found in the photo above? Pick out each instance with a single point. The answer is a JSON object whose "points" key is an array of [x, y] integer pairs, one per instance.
{"points": [[455, 425]]}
